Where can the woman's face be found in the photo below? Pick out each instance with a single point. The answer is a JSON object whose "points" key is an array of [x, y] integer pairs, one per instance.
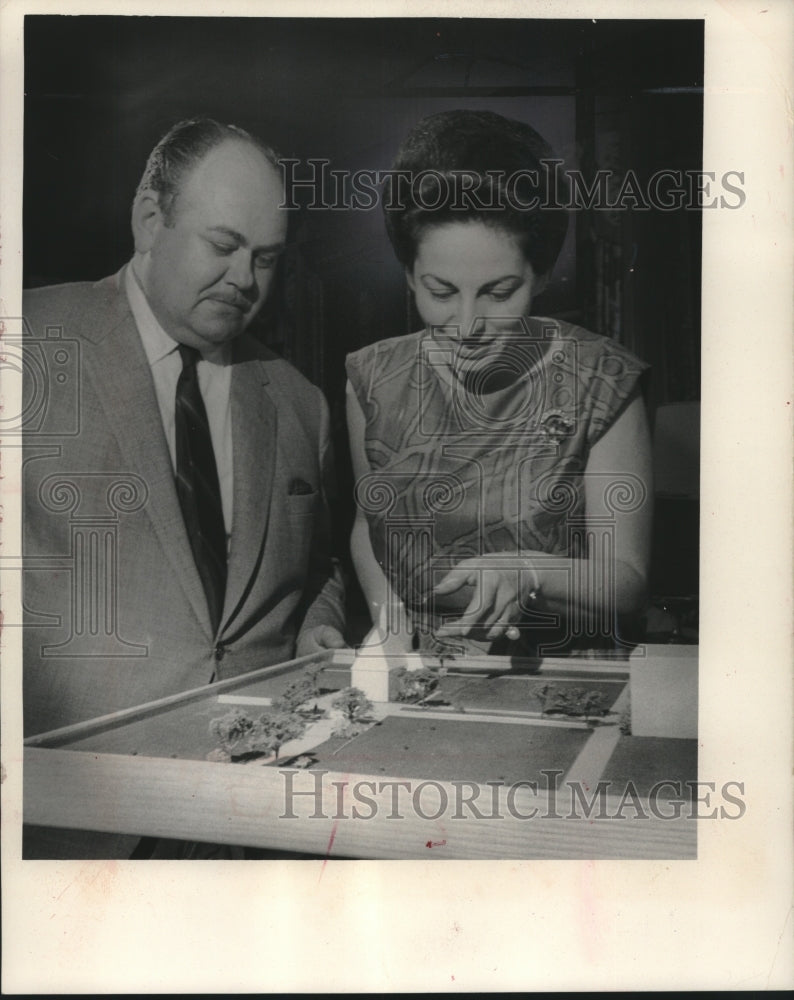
{"points": [[472, 286]]}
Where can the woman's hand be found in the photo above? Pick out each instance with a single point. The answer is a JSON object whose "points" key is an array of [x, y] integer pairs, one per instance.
{"points": [[502, 586], [618, 487]]}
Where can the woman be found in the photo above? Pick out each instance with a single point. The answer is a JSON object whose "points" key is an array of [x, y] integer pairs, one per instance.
{"points": [[502, 461]]}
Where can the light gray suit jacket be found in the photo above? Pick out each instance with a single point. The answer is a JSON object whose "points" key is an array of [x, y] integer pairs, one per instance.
{"points": [[115, 612]]}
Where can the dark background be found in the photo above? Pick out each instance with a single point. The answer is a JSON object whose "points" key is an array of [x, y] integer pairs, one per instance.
{"points": [[100, 91]]}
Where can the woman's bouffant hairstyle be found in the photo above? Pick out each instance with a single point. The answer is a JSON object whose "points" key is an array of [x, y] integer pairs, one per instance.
{"points": [[183, 147], [461, 166]]}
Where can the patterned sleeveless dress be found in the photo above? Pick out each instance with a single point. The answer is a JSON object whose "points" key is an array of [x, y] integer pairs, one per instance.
{"points": [[466, 470]]}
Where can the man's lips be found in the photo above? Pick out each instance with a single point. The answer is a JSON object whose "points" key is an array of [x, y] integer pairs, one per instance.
{"points": [[239, 304]]}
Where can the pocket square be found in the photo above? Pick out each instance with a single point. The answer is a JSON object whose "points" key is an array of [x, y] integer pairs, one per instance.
{"points": [[299, 488]]}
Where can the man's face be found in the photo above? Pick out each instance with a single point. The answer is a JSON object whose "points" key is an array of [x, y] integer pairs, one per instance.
{"points": [[208, 271]]}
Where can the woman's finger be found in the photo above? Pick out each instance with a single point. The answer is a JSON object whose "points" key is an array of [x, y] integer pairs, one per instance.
{"points": [[454, 580], [502, 623]]}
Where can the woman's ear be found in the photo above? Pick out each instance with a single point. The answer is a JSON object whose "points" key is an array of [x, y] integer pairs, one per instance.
{"points": [[147, 217]]}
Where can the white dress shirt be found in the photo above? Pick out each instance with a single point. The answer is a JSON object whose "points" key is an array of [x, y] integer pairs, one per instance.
{"points": [[214, 384]]}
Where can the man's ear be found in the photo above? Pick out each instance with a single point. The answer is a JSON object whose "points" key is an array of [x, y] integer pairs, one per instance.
{"points": [[147, 218]]}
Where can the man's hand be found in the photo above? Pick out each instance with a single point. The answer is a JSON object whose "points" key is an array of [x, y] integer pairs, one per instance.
{"points": [[316, 639]]}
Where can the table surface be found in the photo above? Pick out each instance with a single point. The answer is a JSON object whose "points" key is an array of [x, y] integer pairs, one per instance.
{"points": [[483, 768]]}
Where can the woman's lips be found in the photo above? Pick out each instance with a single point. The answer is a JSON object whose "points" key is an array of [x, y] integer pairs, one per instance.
{"points": [[478, 351]]}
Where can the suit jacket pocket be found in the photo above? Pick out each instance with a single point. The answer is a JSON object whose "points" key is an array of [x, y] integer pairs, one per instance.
{"points": [[302, 504]]}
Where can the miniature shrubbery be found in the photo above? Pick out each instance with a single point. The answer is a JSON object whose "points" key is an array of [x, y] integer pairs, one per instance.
{"points": [[571, 702], [231, 731], [417, 685], [270, 732], [304, 689], [238, 734]]}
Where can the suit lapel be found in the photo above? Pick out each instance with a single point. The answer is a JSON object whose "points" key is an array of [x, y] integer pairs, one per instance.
{"points": [[121, 374], [254, 426]]}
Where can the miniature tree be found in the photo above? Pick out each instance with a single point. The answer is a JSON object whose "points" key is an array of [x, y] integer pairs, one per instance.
{"points": [[270, 732], [230, 730], [353, 703], [355, 708]]}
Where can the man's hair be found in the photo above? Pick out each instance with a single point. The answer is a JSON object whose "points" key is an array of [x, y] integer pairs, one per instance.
{"points": [[489, 150], [181, 149]]}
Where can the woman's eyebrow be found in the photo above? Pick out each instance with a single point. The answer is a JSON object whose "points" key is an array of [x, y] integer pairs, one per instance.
{"points": [[487, 285], [499, 281], [435, 277], [513, 280]]}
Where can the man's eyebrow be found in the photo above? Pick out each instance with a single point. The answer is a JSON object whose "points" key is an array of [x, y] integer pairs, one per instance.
{"points": [[239, 238], [226, 231]]}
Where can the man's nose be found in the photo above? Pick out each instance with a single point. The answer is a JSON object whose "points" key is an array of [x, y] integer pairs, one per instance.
{"points": [[240, 271]]}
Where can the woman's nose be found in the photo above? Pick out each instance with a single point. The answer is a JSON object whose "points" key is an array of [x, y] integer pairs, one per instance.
{"points": [[472, 322], [467, 320]]}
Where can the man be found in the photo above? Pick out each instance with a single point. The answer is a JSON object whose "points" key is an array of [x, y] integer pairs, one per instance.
{"points": [[176, 530]]}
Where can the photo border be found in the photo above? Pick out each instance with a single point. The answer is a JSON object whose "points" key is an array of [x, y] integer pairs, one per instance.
{"points": [[720, 922]]}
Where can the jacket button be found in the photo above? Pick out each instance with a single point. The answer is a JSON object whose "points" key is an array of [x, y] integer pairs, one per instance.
{"points": [[220, 652]]}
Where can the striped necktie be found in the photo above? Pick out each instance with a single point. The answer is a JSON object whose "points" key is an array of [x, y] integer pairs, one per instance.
{"points": [[197, 484]]}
